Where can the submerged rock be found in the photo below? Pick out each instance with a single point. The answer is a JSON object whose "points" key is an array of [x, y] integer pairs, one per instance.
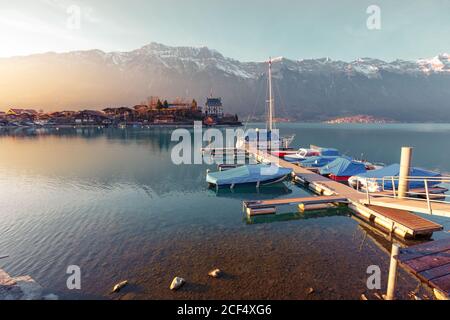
{"points": [[19, 288], [177, 283], [216, 273], [119, 286]]}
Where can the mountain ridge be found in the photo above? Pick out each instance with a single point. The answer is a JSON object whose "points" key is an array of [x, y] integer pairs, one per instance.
{"points": [[308, 89]]}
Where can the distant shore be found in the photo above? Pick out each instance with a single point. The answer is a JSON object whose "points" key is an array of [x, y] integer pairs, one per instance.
{"points": [[144, 126]]}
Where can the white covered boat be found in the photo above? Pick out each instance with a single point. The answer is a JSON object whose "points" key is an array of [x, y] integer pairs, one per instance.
{"points": [[259, 174]]}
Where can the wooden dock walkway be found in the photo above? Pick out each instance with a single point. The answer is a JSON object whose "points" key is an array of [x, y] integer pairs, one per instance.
{"points": [[414, 222], [430, 262], [443, 209], [403, 223]]}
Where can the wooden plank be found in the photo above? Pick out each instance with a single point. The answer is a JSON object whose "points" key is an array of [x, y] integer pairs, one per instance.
{"points": [[438, 208], [290, 201], [407, 219], [430, 261], [437, 272], [442, 283], [424, 249]]}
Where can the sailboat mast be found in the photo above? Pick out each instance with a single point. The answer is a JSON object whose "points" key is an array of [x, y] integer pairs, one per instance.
{"points": [[270, 127]]}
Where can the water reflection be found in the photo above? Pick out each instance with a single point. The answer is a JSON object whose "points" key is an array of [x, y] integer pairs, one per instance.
{"points": [[113, 202], [157, 138], [252, 193], [288, 216]]}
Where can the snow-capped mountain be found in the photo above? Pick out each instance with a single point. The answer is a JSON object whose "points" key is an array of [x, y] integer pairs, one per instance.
{"points": [[305, 89], [199, 59]]}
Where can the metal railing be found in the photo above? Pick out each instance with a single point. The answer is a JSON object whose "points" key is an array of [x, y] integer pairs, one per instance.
{"points": [[389, 187]]}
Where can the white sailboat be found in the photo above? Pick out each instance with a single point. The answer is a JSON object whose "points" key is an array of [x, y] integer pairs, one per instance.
{"points": [[268, 139], [259, 174]]}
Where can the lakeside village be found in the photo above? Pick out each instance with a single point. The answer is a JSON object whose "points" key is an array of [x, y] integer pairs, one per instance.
{"points": [[155, 112]]}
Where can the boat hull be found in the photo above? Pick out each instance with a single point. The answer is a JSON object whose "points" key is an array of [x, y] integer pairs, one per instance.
{"points": [[283, 153], [339, 178]]}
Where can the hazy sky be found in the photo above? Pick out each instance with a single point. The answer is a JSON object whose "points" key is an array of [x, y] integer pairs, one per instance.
{"points": [[241, 29]]}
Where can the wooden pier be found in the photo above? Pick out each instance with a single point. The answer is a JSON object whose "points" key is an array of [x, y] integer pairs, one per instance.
{"points": [[398, 220], [430, 262], [416, 225], [269, 206], [291, 201], [442, 209]]}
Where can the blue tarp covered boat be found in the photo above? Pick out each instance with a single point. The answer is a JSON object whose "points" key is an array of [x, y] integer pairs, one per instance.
{"points": [[393, 170], [317, 162], [342, 168], [261, 174], [327, 151]]}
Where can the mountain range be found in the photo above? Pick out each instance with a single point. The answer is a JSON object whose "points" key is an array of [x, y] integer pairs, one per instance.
{"points": [[309, 89]]}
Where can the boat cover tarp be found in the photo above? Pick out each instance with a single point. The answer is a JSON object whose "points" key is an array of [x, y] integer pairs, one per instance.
{"points": [[326, 151], [393, 170], [247, 174], [343, 167], [317, 162], [329, 152]]}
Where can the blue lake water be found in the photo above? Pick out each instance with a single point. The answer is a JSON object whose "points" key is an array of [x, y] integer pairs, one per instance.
{"points": [[112, 202]]}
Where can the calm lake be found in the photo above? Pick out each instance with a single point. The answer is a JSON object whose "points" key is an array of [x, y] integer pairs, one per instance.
{"points": [[112, 202]]}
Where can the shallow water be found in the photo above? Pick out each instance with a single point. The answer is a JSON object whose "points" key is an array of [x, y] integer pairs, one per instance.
{"points": [[112, 202]]}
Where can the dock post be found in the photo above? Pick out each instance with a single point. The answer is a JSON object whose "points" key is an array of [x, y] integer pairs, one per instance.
{"points": [[390, 295], [393, 186], [405, 169], [367, 191], [428, 197]]}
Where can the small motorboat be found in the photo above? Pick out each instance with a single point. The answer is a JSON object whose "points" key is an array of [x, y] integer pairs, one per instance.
{"points": [[301, 154], [373, 179], [259, 174], [342, 168], [317, 162]]}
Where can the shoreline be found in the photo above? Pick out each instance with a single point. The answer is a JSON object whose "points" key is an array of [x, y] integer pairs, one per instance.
{"points": [[146, 126]]}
